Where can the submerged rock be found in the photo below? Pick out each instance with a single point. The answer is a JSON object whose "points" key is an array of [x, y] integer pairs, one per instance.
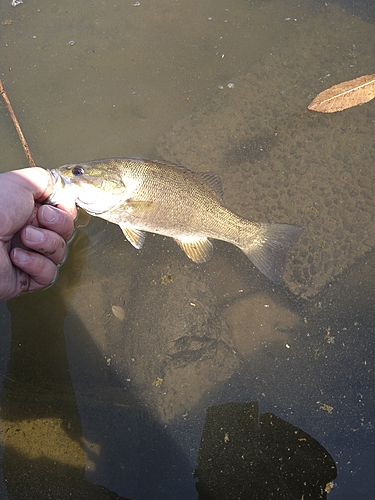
{"points": [[283, 163]]}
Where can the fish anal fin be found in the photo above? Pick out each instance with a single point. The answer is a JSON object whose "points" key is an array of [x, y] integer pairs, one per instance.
{"points": [[213, 180], [198, 250], [135, 236]]}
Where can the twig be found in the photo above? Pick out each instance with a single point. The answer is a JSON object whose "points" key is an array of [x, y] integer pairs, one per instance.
{"points": [[17, 125]]}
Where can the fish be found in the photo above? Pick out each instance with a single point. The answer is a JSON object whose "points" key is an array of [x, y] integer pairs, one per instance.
{"points": [[171, 200]]}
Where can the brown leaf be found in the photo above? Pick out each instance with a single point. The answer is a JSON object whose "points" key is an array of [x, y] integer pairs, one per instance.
{"points": [[345, 95]]}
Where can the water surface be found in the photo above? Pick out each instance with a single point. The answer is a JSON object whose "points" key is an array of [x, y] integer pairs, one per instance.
{"points": [[108, 375]]}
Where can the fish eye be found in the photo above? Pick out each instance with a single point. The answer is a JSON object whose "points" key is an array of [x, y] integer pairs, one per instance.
{"points": [[77, 171]]}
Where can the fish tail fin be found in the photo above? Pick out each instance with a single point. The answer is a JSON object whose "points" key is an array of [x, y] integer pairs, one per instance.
{"points": [[268, 251]]}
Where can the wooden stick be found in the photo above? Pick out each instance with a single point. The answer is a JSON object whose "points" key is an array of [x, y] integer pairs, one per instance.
{"points": [[17, 125]]}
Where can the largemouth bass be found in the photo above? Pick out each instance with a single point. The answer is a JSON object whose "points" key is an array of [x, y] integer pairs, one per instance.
{"points": [[150, 196]]}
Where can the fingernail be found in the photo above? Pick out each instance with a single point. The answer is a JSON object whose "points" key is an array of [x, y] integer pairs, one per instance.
{"points": [[20, 256], [34, 235], [48, 213]]}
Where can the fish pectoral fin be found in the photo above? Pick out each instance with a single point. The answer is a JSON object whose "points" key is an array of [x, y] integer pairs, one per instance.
{"points": [[139, 206], [199, 250], [135, 236], [82, 219]]}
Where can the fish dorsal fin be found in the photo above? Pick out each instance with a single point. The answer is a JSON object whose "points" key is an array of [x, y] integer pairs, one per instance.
{"points": [[213, 180], [134, 236], [199, 250]]}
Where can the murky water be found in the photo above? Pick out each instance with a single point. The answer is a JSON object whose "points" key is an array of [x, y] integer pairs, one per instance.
{"points": [[107, 376]]}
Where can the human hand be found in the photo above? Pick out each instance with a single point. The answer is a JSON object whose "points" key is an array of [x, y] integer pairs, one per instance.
{"points": [[32, 236]]}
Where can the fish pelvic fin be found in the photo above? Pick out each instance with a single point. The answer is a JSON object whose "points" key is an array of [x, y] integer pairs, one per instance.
{"points": [[135, 236], [198, 250], [269, 251]]}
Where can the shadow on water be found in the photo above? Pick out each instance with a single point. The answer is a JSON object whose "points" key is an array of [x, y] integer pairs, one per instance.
{"points": [[41, 417], [39, 406], [266, 458], [51, 430], [247, 455]]}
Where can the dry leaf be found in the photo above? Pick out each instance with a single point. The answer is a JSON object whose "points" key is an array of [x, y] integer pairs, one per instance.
{"points": [[345, 95]]}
